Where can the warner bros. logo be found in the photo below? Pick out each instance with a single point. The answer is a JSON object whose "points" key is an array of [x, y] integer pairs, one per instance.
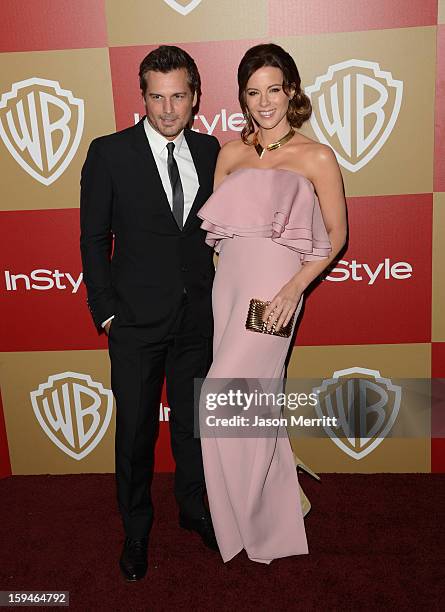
{"points": [[74, 411], [355, 107], [365, 406], [41, 125], [183, 7]]}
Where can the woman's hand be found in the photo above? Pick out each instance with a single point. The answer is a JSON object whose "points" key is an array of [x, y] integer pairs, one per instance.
{"points": [[282, 307]]}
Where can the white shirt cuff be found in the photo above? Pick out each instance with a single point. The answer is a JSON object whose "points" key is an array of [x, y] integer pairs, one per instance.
{"points": [[109, 319]]}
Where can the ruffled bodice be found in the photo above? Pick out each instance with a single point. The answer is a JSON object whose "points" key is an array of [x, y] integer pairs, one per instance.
{"points": [[270, 203]]}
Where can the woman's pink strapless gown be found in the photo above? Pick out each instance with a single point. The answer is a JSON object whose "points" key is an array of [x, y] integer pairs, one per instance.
{"points": [[265, 223]]}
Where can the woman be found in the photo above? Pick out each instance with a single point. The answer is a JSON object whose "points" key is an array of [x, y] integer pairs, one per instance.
{"points": [[277, 218]]}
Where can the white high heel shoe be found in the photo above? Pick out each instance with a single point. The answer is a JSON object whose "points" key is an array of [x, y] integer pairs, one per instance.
{"points": [[305, 503]]}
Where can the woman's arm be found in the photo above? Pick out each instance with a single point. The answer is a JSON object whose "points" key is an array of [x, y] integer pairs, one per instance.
{"points": [[326, 176]]}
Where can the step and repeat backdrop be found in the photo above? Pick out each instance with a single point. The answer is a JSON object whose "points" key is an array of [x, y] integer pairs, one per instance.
{"points": [[375, 72]]}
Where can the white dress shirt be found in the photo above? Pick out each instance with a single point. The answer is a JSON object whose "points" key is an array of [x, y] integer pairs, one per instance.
{"points": [[186, 167]]}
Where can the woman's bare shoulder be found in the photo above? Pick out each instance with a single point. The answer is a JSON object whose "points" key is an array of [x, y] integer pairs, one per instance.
{"points": [[314, 155], [231, 153], [321, 164], [231, 147], [320, 154]]}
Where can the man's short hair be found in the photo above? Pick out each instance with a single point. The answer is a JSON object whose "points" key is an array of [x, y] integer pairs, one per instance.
{"points": [[167, 58]]}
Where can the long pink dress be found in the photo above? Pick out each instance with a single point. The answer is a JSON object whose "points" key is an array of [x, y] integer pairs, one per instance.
{"points": [[265, 223]]}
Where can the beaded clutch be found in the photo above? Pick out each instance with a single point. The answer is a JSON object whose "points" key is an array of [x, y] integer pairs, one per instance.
{"points": [[255, 323]]}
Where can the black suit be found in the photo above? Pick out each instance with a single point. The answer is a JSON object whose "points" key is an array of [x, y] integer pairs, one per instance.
{"points": [[157, 282]]}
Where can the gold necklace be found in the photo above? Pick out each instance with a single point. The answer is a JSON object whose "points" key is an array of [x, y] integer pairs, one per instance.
{"points": [[273, 145]]}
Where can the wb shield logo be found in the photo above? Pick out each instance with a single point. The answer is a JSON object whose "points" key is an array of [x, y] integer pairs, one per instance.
{"points": [[366, 409], [41, 125], [183, 8], [73, 411], [355, 107]]}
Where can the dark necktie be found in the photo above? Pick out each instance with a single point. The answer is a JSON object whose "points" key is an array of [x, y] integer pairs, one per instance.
{"points": [[175, 180]]}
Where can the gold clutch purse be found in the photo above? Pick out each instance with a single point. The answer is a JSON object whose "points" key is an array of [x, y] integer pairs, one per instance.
{"points": [[255, 323]]}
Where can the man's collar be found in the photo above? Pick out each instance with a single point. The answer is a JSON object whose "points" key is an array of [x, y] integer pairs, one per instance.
{"points": [[159, 142]]}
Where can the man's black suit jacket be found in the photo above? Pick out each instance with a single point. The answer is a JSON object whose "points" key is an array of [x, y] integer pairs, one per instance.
{"points": [[142, 277]]}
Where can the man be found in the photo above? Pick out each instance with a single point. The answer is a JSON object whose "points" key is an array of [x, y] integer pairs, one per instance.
{"points": [[152, 296]]}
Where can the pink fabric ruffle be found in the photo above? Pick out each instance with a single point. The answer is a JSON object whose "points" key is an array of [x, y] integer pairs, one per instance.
{"points": [[267, 203]]}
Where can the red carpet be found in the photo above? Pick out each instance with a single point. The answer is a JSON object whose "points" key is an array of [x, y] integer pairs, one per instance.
{"points": [[377, 542]]}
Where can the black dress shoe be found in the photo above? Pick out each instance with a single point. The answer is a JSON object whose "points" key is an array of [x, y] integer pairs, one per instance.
{"points": [[133, 561], [203, 527]]}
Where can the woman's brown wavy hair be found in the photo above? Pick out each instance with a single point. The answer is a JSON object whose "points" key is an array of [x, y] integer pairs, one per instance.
{"points": [[300, 108]]}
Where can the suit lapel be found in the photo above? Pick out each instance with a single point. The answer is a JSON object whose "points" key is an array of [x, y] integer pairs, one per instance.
{"points": [[198, 160], [142, 146]]}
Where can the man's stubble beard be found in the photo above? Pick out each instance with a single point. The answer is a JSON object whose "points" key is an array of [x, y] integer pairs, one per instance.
{"points": [[169, 132]]}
